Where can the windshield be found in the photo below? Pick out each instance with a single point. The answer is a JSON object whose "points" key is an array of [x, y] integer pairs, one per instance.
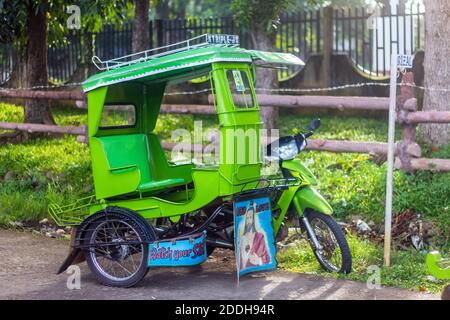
{"points": [[240, 89]]}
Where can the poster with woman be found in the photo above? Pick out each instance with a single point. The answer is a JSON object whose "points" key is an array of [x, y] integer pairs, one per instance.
{"points": [[254, 239]]}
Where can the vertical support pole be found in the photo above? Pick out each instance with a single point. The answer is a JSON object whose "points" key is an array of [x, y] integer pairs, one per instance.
{"points": [[327, 46], [390, 159], [406, 103]]}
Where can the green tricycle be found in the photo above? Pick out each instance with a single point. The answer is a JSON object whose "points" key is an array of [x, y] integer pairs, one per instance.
{"points": [[142, 200]]}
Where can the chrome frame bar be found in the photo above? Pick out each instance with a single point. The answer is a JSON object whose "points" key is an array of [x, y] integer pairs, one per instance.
{"points": [[146, 55]]}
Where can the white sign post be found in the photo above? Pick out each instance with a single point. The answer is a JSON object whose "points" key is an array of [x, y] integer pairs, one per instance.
{"points": [[397, 61], [390, 160]]}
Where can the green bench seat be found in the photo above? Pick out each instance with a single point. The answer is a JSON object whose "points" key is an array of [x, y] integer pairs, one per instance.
{"points": [[132, 157]]}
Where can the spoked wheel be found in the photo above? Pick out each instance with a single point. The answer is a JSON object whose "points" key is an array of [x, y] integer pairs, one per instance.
{"points": [[118, 248], [333, 253]]}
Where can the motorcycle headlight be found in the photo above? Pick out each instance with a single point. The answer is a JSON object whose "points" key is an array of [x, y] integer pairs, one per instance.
{"points": [[288, 150]]}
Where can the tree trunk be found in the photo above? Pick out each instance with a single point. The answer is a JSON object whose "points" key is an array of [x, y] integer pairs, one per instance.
{"points": [[437, 69], [266, 78], [85, 68], [37, 111], [141, 34]]}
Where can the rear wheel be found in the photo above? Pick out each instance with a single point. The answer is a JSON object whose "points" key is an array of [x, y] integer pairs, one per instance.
{"points": [[333, 253], [118, 247]]}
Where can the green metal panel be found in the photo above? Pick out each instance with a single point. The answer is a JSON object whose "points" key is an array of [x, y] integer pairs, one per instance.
{"points": [[283, 205], [96, 100], [160, 167], [276, 57], [108, 182], [299, 170], [303, 197], [309, 198], [154, 95], [239, 132], [128, 150]]}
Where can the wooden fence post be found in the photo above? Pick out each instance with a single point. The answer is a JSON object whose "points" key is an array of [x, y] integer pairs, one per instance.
{"points": [[406, 103]]}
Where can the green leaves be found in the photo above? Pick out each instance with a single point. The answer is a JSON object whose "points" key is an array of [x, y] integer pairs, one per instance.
{"points": [[259, 13], [12, 20], [94, 15]]}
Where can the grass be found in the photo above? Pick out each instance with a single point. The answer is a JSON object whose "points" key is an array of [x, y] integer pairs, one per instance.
{"points": [[36, 172], [408, 269]]}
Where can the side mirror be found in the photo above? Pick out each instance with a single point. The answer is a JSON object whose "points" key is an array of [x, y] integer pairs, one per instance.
{"points": [[314, 125]]}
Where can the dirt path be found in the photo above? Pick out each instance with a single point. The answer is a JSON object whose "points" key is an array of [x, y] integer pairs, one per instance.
{"points": [[28, 263]]}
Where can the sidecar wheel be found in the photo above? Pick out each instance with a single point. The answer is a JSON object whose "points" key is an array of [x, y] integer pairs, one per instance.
{"points": [[123, 264]]}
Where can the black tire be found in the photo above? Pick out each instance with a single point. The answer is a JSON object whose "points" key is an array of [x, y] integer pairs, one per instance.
{"points": [[138, 227], [345, 254]]}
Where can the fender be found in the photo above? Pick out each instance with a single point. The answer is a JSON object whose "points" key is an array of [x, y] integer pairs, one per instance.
{"points": [[76, 255], [308, 198], [299, 170]]}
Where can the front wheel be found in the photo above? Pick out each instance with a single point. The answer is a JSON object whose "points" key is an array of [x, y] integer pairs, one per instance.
{"points": [[333, 252]]}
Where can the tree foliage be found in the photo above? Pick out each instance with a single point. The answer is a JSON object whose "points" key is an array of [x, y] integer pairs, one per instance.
{"points": [[13, 17], [193, 8], [94, 15], [260, 13]]}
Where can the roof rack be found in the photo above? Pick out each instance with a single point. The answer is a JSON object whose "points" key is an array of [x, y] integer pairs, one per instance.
{"points": [[205, 40]]}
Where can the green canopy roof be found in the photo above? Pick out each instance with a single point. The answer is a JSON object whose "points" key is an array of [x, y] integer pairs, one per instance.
{"points": [[189, 61]]}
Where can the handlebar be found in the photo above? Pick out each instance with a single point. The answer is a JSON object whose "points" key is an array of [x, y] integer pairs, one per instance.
{"points": [[287, 147], [308, 134]]}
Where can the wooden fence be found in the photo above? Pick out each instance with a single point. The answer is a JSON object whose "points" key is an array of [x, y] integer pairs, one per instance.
{"points": [[408, 151]]}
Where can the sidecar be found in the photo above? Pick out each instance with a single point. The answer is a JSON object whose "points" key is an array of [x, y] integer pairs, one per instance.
{"points": [[145, 209]]}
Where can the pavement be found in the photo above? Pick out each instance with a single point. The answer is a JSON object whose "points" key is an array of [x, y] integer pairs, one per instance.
{"points": [[28, 264]]}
